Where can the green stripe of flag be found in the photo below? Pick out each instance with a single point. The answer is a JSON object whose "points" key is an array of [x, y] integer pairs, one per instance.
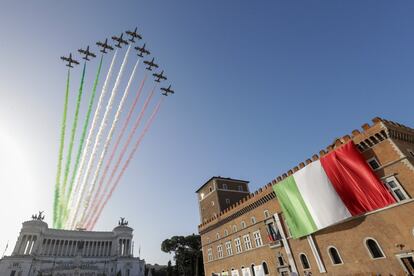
{"points": [[294, 208]]}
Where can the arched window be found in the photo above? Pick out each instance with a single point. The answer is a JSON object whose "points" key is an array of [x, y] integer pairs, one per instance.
{"points": [[218, 236], [226, 233], [374, 249], [334, 254], [304, 261], [265, 269], [243, 225], [266, 214], [253, 219], [234, 228], [254, 274]]}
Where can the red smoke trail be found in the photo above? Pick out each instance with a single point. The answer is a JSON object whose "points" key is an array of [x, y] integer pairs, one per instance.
{"points": [[123, 151], [117, 143], [131, 155]]}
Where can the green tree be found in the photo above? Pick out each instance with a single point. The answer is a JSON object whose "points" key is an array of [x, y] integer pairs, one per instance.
{"points": [[187, 254]]}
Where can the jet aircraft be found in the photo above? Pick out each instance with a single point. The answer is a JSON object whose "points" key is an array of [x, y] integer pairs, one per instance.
{"points": [[120, 41], [142, 51], [70, 60], [133, 35], [167, 90], [105, 46], [87, 53], [151, 64], [160, 76]]}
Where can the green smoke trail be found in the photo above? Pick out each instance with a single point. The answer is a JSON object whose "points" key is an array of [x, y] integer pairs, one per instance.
{"points": [[70, 149], [60, 158], [82, 140]]}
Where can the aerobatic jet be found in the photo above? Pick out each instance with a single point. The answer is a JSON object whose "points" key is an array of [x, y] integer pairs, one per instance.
{"points": [[120, 41], [142, 51], [133, 35], [167, 90], [87, 53], [70, 60], [151, 64], [160, 76], [105, 46]]}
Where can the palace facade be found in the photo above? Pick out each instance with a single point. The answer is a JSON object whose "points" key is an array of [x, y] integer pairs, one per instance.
{"points": [[40, 250], [245, 234]]}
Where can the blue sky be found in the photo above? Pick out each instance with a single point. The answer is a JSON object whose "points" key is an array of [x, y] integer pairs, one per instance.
{"points": [[260, 86]]}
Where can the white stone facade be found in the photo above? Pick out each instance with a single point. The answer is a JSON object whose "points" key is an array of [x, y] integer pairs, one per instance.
{"points": [[43, 251]]}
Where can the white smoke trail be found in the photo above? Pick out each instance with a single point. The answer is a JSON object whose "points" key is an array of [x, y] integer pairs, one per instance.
{"points": [[97, 141], [71, 195], [108, 142]]}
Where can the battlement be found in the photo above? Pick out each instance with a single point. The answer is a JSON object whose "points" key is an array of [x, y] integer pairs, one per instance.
{"points": [[365, 138]]}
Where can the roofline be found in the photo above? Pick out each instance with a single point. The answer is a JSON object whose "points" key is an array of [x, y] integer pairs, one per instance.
{"points": [[223, 178]]}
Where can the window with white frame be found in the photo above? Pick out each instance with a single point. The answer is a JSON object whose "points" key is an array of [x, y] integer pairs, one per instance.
{"points": [[210, 254], [395, 188], [257, 238], [243, 225], [229, 249], [226, 232], [234, 228], [253, 220], [334, 255], [220, 251], [304, 260], [373, 163], [374, 249], [247, 242], [237, 243], [240, 188], [266, 214]]}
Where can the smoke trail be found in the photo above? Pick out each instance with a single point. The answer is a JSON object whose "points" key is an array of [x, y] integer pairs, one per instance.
{"points": [[117, 143], [131, 155], [124, 149], [70, 149], [108, 141], [97, 140], [60, 157], [70, 195], [82, 140]]}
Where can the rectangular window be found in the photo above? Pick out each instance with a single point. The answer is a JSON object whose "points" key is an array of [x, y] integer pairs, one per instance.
{"points": [[225, 187], [396, 189], [220, 251], [247, 242], [257, 238], [210, 254], [229, 249], [273, 233], [237, 243], [373, 163], [240, 188]]}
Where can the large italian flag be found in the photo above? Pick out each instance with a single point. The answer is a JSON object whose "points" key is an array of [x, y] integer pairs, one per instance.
{"points": [[337, 186]]}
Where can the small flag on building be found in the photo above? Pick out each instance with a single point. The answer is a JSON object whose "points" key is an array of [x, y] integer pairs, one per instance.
{"points": [[338, 186]]}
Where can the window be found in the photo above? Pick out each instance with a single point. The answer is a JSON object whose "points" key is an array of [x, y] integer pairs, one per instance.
{"points": [[218, 236], [237, 243], [411, 152], [210, 189], [334, 254], [243, 225], [257, 239], [373, 163], [220, 251], [202, 195], [247, 242], [395, 188], [212, 203], [266, 214], [304, 261], [265, 269], [227, 201], [374, 249], [254, 274], [234, 228], [226, 233], [273, 233], [253, 220], [225, 187], [240, 188], [229, 249], [280, 259]]}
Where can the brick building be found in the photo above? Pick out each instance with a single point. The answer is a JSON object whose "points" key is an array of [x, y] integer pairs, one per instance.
{"points": [[245, 233]]}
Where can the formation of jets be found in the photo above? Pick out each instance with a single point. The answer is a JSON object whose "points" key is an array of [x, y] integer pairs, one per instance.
{"points": [[105, 47]]}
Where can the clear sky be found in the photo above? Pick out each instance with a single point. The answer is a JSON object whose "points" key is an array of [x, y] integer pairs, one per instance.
{"points": [[260, 86]]}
